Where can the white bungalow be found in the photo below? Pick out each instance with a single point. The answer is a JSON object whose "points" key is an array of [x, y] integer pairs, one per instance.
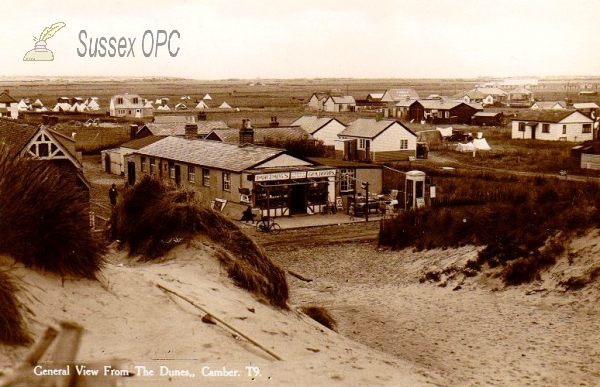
{"points": [[371, 140], [322, 128], [553, 125]]}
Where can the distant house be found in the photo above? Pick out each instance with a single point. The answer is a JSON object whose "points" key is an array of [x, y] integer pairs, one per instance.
{"points": [[113, 160], [471, 96], [367, 139], [128, 105], [446, 112], [493, 95], [375, 97], [9, 107], [315, 102], [553, 125], [399, 94], [519, 97], [543, 105], [590, 109], [487, 119], [46, 145], [322, 128], [409, 110], [339, 104]]}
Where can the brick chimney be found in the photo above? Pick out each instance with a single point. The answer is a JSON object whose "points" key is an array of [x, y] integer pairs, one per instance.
{"points": [[191, 131], [274, 123], [202, 116], [246, 133], [133, 128]]}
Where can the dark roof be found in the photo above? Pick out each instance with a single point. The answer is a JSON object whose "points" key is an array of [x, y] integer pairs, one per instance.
{"points": [[15, 136], [178, 128], [5, 98], [550, 115], [139, 143], [213, 154], [281, 133]]}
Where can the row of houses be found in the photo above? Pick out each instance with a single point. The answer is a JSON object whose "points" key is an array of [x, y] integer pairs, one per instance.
{"points": [[134, 106]]}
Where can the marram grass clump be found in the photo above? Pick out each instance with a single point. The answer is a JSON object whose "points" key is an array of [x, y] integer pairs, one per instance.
{"points": [[150, 216], [44, 218], [12, 326]]}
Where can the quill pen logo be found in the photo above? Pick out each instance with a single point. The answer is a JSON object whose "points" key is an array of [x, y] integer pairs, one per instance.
{"points": [[40, 52]]}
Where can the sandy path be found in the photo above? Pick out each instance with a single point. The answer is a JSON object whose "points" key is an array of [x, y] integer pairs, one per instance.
{"points": [[474, 336]]}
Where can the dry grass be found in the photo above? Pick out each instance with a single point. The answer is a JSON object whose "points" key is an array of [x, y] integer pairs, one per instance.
{"points": [[151, 215], [44, 219], [12, 326]]}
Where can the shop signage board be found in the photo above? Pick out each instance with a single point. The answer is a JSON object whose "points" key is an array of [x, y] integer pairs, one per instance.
{"points": [[272, 176], [321, 173], [294, 175]]}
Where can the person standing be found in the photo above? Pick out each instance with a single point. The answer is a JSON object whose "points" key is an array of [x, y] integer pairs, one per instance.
{"points": [[112, 195]]}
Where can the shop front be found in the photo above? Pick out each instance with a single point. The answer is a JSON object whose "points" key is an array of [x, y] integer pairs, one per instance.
{"points": [[292, 191]]}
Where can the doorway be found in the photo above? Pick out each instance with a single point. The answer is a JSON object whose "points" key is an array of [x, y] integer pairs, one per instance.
{"points": [[298, 199]]}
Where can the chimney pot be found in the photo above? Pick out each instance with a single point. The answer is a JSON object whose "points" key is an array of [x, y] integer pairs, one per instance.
{"points": [[191, 131]]}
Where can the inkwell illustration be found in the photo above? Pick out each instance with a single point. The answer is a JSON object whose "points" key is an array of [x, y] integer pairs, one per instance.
{"points": [[40, 52]]}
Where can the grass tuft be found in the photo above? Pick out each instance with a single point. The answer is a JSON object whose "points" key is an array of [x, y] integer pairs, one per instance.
{"points": [[12, 326], [320, 315]]}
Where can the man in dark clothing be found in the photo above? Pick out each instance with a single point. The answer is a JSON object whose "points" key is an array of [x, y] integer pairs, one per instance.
{"points": [[112, 195], [247, 215]]}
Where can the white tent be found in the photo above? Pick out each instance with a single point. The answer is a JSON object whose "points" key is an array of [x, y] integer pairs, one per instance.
{"points": [[163, 107], [148, 104], [202, 105], [224, 105], [207, 96], [93, 104], [62, 107], [445, 132], [181, 106], [481, 144], [38, 103], [23, 105]]}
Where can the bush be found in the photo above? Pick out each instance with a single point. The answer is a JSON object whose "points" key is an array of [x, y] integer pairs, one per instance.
{"points": [[44, 219], [151, 215], [12, 327]]}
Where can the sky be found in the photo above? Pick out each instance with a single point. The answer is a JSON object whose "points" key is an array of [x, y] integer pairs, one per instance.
{"points": [[306, 39]]}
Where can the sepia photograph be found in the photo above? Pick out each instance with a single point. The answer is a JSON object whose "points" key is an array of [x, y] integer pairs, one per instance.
{"points": [[300, 193]]}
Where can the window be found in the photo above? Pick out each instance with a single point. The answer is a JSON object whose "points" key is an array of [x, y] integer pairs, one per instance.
{"points": [[226, 181], [363, 143], [206, 177], [347, 180], [136, 100], [403, 144], [143, 164], [152, 165], [564, 129], [521, 126], [545, 128], [191, 173], [587, 128], [171, 170], [446, 114], [120, 100]]}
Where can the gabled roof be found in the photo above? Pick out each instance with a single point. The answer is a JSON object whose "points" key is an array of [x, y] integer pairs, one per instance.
{"points": [[279, 133], [375, 95], [370, 128], [15, 136], [173, 118], [407, 102], [178, 128], [212, 154], [312, 124], [397, 94], [520, 90], [550, 115], [139, 143], [344, 99], [319, 95], [5, 98], [445, 105], [486, 114], [493, 91], [549, 104], [472, 94]]}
